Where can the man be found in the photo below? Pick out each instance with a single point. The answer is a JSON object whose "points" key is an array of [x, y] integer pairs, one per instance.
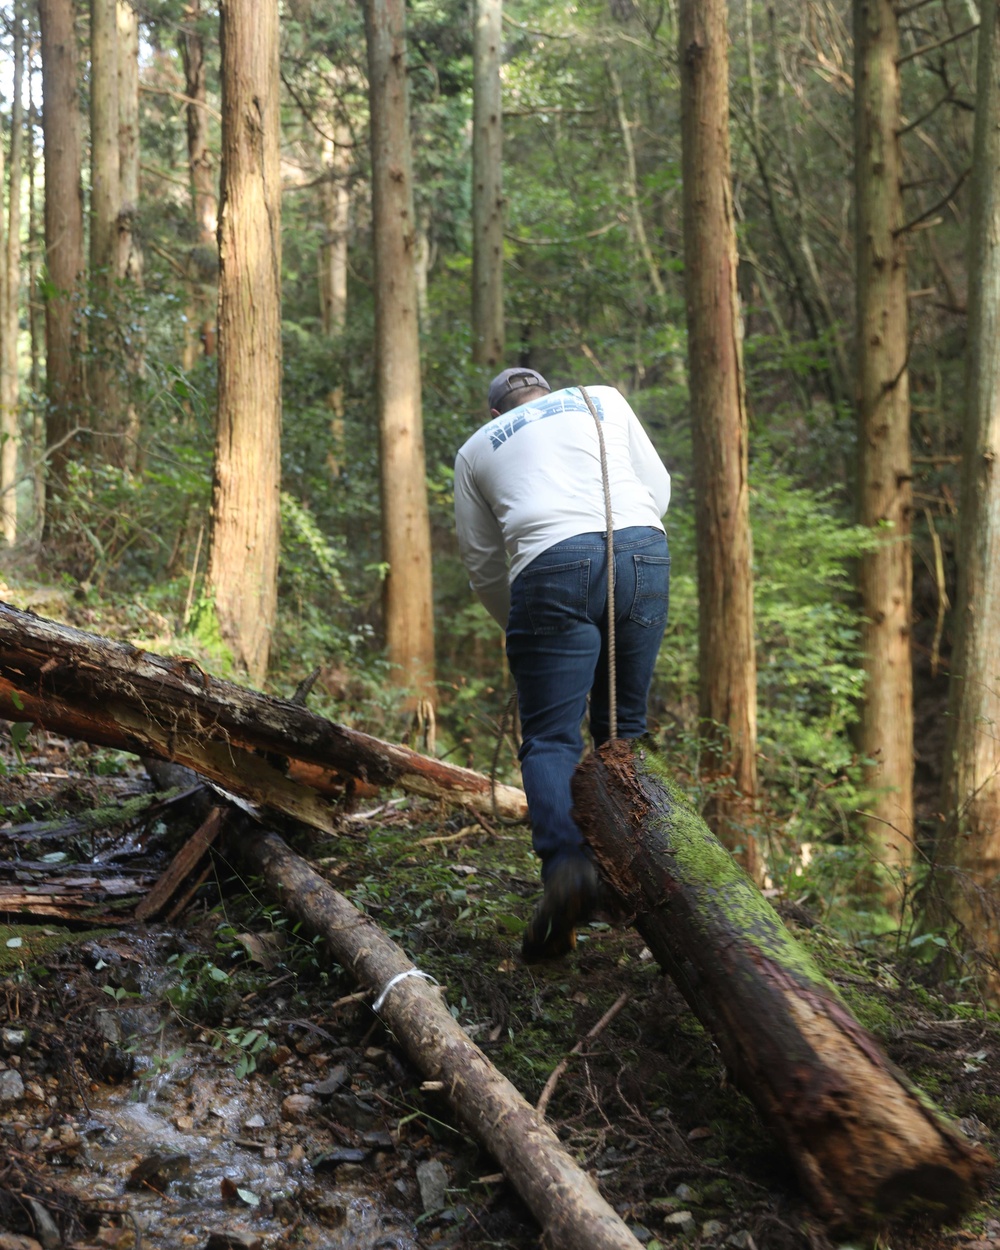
{"points": [[530, 516]]}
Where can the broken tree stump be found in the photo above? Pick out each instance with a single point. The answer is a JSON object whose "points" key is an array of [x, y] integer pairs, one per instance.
{"points": [[561, 1195], [114, 694], [865, 1143]]}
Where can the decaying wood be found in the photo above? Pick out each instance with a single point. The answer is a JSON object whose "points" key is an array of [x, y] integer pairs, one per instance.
{"points": [[561, 1196], [184, 862], [865, 1143], [81, 898], [114, 694]]}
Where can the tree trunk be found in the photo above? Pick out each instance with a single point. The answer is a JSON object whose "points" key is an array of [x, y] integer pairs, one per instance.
{"points": [[968, 853], [10, 427], [406, 534], [128, 240], [559, 1193], [204, 200], [727, 691], [884, 470], [37, 460], [865, 1144], [632, 191], [487, 184], [336, 200], [112, 694], [246, 503], [105, 251], [63, 242]]}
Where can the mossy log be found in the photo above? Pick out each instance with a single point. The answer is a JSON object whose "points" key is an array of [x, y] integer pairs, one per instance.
{"points": [[563, 1198], [866, 1144], [117, 695]]}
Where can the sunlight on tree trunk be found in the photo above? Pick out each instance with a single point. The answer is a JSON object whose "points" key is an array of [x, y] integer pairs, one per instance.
{"points": [[406, 537], [246, 502], [884, 467], [63, 241], [10, 432], [968, 852], [487, 184], [727, 665]]}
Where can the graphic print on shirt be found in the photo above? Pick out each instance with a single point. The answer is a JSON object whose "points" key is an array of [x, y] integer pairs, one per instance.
{"points": [[506, 427]]}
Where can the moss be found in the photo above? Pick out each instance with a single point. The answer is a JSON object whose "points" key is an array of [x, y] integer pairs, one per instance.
{"points": [[721, 886], [27, 946]]}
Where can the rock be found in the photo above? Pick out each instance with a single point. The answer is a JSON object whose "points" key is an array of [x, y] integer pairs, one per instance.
{"points": [[352, 1112], [46, 1228], [11, 1086], [712, 1228], [13, 1040], [680, 1222], [340, 1154], [332, 1082], [742, 1240], [158, 1169], [255, 1121], [432, 1177], [297, 1107], [233, 1239], [686, 1194], [184, 1123], [12, 1241], [296, 1156]]}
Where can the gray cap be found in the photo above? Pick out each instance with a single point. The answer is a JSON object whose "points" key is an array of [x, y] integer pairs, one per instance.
{"points": [[514, 380]]}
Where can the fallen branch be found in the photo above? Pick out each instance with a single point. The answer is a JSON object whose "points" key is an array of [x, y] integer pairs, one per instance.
{"points": [[562, 1197], [550, 1085], [116, 695]]}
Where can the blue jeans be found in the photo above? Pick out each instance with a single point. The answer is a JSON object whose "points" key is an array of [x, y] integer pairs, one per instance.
{"points": [[557, 650]]}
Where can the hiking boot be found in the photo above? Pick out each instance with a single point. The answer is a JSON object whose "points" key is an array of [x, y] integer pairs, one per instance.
{"points": [[571, 894]]}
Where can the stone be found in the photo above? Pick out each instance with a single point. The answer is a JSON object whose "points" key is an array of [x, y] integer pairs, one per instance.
{"points": [[233, 1239], [680, 1222], [297, 1107], [13, 1241], [712, 1228], [332, 1081], [11, 1086], [432, 1178], [13, 1040]]}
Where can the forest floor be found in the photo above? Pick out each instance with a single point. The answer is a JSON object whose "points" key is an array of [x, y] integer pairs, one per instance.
{"points": [[217, 1082]]}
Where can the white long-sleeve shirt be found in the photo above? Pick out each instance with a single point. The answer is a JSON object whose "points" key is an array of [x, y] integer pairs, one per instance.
{"points": [[532, 477]]}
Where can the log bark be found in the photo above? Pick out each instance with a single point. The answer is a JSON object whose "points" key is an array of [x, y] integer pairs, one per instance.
{"points": [[866, 1144], [116, 695], [561, 1196]]}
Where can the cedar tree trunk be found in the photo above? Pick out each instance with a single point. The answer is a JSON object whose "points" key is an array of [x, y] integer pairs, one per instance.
{"points": [[406, 536], [246, 502], [726, 658], [884, 470], [487, 184]]}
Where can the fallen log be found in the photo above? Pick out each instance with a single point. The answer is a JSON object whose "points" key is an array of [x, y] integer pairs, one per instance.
{"points": [[865, 1143], [114, 694], [561, 1196]]}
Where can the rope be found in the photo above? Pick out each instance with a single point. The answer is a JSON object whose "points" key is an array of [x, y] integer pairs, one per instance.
{"points": [[609, 527]]}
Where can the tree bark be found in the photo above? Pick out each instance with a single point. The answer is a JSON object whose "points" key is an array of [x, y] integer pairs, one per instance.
{"points": [[105, 250], [10, 431], [884, 468], [63, 243], [336, 199], [487, 184], [112, 694], [562, 1197], [130, 247], [865, 1144], [204, 260], [727, 690], [406, 536], [246, 501], [968, 851]]}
